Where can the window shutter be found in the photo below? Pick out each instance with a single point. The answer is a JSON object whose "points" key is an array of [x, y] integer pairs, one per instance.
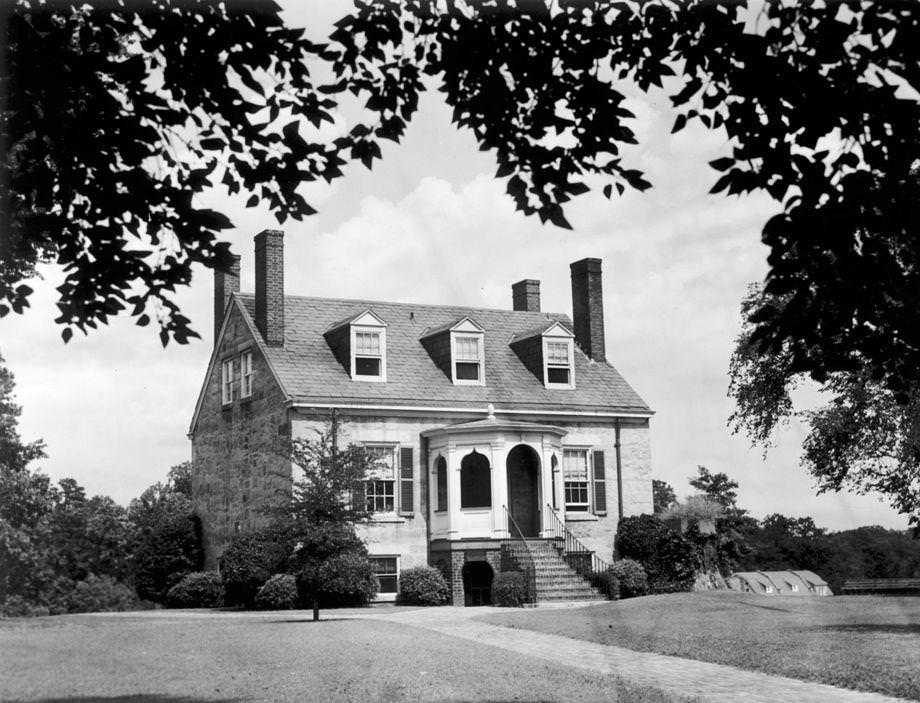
{"points": [[359, 497], [600, 484], [405, 481]]}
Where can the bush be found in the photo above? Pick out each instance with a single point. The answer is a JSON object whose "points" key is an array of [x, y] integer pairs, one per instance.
{"points": [[278, 593], [423, 585], [248, 562], [509, 589], [345, 580], [670, 561], [631, 577], [18, 607], [606, 582], [100, 594], [202, 589]]}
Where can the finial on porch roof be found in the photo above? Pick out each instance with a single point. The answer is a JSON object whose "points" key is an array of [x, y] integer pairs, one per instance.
{"points": [[491, 410]]}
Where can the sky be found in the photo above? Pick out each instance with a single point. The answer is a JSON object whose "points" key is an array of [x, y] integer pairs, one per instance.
{"points": [[430, 224]]}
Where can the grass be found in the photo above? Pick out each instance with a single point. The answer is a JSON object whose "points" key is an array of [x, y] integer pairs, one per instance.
{"points": [[864, 643], [182, 657]]}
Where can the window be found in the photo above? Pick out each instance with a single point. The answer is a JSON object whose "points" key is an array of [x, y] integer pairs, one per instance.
{"points": [[368, 354], [575, 471], [386, 569], [475, 481], [246, 374], [467, 359], [442, 484], [558, 363], [380, 487], [226, 386]]}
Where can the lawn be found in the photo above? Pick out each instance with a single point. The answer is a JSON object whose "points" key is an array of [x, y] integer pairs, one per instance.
{"points": [[181, 657], [860, 642]]}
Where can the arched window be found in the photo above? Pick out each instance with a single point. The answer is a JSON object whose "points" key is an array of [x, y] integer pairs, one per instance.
{"points": [[475, 481], [441, 469]]}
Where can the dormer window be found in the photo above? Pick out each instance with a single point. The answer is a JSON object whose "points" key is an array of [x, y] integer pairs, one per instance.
{"points": [[558, 356], [368, 353], [359, 342], [467, 358], [458, 348]]}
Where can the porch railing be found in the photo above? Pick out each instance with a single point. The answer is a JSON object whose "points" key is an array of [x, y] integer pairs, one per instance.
{"points": [[581, 559], [516, 556]]}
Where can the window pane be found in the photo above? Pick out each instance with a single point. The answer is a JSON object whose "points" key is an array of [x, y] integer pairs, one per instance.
{"points": [[557, 353], [383, 565], [575, 464], [556, 374], [383, 458], [467, 371], [387, 584], [365, 366], [380, 496], [467, 348], [367, 343], [475, 482]]}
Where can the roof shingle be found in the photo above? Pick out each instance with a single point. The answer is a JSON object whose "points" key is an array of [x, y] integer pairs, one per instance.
{"points": [[309, 371]]}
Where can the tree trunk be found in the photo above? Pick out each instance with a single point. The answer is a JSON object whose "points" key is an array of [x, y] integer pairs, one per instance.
{"points": [[315, 609]]}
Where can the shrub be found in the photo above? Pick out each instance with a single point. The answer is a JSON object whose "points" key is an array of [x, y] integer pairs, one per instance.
{"points": [[670, 561], [344, 580], [18, 607], [248, 562], [278, 593], [606, 582], [202, 589], [509, 589], [631, 577], [423, 585], [100, 594]]}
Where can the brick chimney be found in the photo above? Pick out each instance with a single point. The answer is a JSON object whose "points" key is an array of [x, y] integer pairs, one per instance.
{"points": [[270, 286], [224, 285], [526, 295], [588, 307]]}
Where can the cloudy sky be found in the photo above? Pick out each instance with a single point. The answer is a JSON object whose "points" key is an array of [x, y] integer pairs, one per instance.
{"points": [[431, 225]]}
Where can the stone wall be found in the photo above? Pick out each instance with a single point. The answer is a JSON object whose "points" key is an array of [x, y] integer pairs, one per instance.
{"points": [[237, 470]]}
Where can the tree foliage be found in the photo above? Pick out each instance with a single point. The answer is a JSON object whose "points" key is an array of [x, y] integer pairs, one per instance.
{"points": [[167, 539], [864, 438], [663, 496], [670, 560], [811, 98]]}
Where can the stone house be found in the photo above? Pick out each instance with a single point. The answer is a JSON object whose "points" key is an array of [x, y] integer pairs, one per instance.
{"points": [[491, 426]]}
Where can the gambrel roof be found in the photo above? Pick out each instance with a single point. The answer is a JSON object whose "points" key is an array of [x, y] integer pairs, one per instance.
{"points": [[309, 373]]}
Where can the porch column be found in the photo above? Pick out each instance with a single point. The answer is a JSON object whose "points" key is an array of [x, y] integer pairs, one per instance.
{"points": [[453, 491], [498, 455]]}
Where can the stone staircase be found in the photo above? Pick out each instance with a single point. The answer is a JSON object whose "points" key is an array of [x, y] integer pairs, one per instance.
{"points": [[556, 580]]}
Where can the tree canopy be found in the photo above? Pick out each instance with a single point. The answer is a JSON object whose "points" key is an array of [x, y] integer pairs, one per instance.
{"points": [[817, 100]]}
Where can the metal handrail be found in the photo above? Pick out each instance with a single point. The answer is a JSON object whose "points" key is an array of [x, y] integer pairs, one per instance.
{"points": [[583, 560], [528, 567]]}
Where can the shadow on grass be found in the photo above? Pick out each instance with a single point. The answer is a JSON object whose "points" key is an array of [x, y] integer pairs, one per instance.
{"points": [[304, 621], [765, 607], [136, 698], [880, 628]]}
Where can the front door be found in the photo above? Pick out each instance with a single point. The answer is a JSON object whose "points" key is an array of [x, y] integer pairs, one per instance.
{"points": [[523, 467]]}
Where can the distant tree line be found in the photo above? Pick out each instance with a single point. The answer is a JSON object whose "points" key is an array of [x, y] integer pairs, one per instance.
{"points": [[725, 538]]}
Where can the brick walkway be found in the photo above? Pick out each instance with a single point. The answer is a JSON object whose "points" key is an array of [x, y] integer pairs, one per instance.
{"points": [[686, 677]]}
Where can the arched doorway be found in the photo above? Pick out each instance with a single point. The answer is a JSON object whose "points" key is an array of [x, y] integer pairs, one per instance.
{"points": [[477, 583], [523, 468]]}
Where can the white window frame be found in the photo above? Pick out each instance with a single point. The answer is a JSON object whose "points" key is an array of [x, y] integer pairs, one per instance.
{"points": [[226, 381], [246, 374], [570, 350], [588, 507], [381, 333], [393, 450], [479, 337], [387, 597]]}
